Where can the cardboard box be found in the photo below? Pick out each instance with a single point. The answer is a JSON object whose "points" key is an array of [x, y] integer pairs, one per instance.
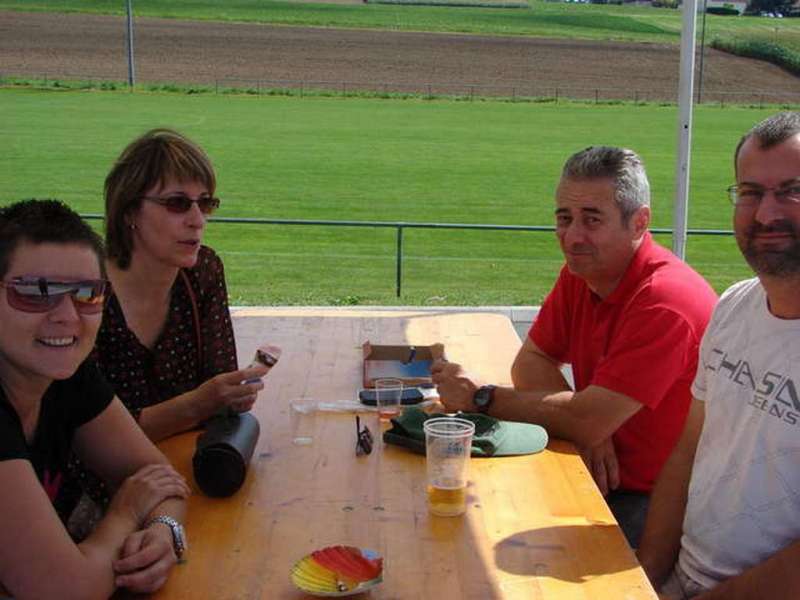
{"points": [[410, 364]]}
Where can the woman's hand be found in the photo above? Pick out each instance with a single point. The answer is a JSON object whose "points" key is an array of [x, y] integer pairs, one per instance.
{"points": [[236, 391], [146, 558], [144, 490]]}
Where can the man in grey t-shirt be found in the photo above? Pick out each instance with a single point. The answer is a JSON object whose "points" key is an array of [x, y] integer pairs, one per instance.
{"points": [[724, 519]]}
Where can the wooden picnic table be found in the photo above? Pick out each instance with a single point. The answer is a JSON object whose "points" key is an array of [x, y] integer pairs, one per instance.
{"points": [[536, 526]]}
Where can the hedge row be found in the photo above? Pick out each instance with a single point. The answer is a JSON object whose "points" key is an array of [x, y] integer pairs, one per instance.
{"points": [[722, 10], [762, 50]]}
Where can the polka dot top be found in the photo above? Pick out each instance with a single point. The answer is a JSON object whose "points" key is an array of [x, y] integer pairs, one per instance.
{"points": [[142, 377]]}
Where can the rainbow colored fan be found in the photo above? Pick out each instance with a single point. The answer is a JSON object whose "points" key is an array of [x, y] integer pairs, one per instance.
{"points": [[338, 571]]}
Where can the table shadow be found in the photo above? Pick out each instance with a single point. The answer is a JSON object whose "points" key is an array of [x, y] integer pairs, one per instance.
{"points": [[551, 552]]}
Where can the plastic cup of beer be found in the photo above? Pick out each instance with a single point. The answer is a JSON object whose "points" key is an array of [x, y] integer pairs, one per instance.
{"points": [[448, 442], [388, 393]]}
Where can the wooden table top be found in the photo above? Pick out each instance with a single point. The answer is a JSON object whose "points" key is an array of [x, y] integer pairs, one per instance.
{"points": [[536, 526]]}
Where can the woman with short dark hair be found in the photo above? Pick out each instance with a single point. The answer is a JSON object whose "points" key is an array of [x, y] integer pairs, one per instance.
{"points": [[53, 401]]}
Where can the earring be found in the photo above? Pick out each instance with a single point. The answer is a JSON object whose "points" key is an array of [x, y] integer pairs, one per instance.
{"points": [[132, 226]]}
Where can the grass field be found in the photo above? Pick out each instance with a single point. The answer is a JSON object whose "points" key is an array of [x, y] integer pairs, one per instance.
{"points": [[376, 160], [549, 19]]}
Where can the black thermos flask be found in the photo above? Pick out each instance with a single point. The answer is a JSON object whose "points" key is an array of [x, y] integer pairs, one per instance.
{"points": [[223, 452]]}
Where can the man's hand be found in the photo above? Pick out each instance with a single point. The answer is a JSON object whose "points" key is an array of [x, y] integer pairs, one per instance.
{"points": [[601, 460], [456, 388], [145, 559]]}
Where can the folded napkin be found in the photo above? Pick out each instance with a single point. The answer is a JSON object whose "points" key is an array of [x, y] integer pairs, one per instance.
{"points": [[492, 437]]}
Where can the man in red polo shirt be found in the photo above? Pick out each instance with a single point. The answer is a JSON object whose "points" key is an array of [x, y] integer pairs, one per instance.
{"points": [[627, 315]]}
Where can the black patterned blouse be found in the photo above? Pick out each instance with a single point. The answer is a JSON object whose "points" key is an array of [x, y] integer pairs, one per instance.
{"points": [[142, 377]]}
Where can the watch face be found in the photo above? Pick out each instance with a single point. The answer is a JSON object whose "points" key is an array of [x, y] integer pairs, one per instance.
{"points": [[180, 539], [483, 398], [180, 534]]}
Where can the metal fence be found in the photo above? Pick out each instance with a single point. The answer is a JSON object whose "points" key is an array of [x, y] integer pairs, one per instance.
{"points": [[400, 226], [522, 91]]}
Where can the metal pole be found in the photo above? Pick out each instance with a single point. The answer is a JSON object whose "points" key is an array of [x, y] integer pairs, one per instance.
{"points": [[131, 73], [702, 54], [399, 259], [685, 95]]}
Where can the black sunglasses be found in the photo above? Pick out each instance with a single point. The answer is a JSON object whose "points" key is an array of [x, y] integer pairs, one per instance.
{"points": [[180, 203], [363, 439]]}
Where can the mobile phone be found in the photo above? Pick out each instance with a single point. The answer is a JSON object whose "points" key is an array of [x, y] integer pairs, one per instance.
{"points": [[411, 395]]}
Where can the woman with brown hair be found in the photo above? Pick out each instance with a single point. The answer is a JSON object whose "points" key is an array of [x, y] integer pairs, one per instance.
{"points": [[166, 343]]}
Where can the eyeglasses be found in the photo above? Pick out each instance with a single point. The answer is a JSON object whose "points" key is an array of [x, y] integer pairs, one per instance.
{"points": [[750, 196], [39, 294], [363, 439], [180, 203]]}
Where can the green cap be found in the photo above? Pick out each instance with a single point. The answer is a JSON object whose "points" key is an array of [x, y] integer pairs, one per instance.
{"points": [[492, 437]]}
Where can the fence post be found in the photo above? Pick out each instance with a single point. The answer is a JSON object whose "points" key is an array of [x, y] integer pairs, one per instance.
{"points": [[761, 101], [513, 94], [471, 92], [430, 95], [636, 97], [596, 95], [399, 259], [344, 88], [301, 89], [216, 86], [556, 95]]}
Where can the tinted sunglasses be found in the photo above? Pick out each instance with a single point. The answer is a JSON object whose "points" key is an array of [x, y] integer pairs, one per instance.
{"points": [[39, 294], [180, 203], [364, 439]]}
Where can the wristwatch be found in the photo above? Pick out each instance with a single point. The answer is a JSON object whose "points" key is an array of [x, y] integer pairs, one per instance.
{"points": [[179, 544], [483, 398]]}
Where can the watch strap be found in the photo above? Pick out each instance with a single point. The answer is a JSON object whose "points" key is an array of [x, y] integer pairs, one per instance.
{"points": [[178, 535], [483, 398]]}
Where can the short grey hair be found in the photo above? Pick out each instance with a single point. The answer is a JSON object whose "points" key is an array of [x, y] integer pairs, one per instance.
{"points": [[770, 132], [623, 166]]}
